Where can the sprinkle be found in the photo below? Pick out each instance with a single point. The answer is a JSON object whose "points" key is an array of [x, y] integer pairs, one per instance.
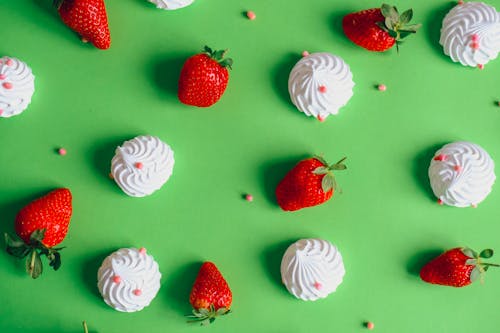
{"points": [[318, 285], [370, 325], [142, 250], [137, 292], [7, 85], [3, 76], [9, 62], [457, 168], [61, 151], [475, 37], [440, 157], [321, 118], [440, 202], [249, 197], [117, 279], [110, 175], [251, 15], [322, 89], [382, 87], [480, 66], [85, 40], [474, 45], [1, 111], [305, 53], [139, 165], [474, 205]]}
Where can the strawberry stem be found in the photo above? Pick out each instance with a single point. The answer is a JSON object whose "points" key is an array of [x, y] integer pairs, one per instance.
{"points": [[85, 328], [218, 55]]}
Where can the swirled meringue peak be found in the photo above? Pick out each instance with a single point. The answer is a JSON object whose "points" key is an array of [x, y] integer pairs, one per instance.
{"points": [[320, 84], [129, 279], [171, 4], [17, 85], [471, 34], [312, 269], [461, 174], [142, 165]]}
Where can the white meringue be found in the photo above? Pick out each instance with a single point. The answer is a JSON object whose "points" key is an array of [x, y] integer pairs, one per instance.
{"points": [[129, 279], [320, 84], [171, 4], [17, 85], [142, 165], [461, 174], [471, 33], [312, 269]]}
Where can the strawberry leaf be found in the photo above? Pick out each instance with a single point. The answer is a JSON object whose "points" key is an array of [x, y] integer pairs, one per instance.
{"points": [[475, 274], [406, 16], [390, 11], [389, 23], [320, 170], [488, 253], [37, 235], [54, 260], [227, 63], [382, 26], [411, 27], [469, 252], [34, 265], [327, 183]]}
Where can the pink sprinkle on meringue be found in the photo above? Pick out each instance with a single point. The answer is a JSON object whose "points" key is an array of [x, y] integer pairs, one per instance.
{"points": [[322, 89], [251, 15], [321, 118], [475, 37], [382, 87], [7, 85], [9, 62], [440, 157], [318, 285], [139, 165], [474, 45], [137, 292], [1, 111], [457, 168], [3, 76], [117, 279], [440, 202], [480, 66], [305, 53], [142, 250]]}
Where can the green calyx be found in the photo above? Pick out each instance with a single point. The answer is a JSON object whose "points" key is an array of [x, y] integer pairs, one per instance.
{"points": [[57, 3], [218, 55], [207, 316], [396, 25], [328, 182], [33, 252], [476, 260]]}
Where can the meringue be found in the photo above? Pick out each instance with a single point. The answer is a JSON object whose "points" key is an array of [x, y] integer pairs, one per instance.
{"points": [[171, 4], [129, 279], [461, 174], [471, 33], [17, 85], [142, 165], [320, 84], [312, 269]]}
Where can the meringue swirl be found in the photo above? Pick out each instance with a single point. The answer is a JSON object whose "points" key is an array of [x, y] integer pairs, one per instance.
{"points": [[312, 269], [471, 33], [129, 279], [17, 85], [171, 4], [462, 174], [320, 84], [142, 165]]}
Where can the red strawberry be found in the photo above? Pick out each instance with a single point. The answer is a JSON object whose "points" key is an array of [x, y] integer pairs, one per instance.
{"points": [[87, 18], [204, 78], [42, 224], [210, 295], [378, 29], [309, 183], [457, 267]]}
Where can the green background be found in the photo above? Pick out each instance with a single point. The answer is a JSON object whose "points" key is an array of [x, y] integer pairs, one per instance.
{"points": [[386, 222]]}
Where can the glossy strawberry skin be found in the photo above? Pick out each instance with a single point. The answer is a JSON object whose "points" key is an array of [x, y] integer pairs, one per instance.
{"points": [[51, 212], [301, 188], [448, 269], [210, 288], [88, 18], [361, 29], [202, 81]]}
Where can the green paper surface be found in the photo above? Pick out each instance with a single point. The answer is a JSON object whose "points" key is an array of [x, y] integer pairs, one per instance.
{"points": [[386, 222]]}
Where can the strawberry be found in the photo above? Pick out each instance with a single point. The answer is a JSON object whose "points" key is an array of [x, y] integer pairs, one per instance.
{"points": [[378, 29], [210, 296], [457, 267], [87, 18], [204, 78], [42, 224], [309, 183]]}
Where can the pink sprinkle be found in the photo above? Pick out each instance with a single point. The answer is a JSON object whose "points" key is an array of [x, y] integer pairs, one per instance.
{"points": [[480, 66], [440, 202], [370, 325], [475, 37], [305, 53], [321, 118], [117, 279], [457, 168], [440, 157], [318, 285], [9, 62], [137, 292], [322, 89], [251, 15], [382, 87], [142, 250], [249, 197], [1, 111], [3, 76], [7, 85], [139, 165], [460, 2], [474, 45], [61, 151], [474, 206]]}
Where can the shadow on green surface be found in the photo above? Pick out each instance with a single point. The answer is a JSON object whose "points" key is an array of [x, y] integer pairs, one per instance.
{"points": [[421, 169], [273, 172], [279, 76], [178, 287], [271, 261], [335, 24], [433, 26], [418, 260], [165, 73], [89, 272]]}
